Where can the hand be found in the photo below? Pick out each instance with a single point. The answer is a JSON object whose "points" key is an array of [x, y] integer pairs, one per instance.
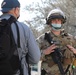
{"points": [[68, 53], [50, 49], [71, 48]]}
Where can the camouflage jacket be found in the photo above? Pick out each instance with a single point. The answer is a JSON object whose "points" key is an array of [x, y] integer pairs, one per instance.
{"points": [[63, 39]]}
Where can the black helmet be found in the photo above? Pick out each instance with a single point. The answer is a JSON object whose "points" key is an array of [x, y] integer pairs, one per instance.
{"points": [[55, 13]]}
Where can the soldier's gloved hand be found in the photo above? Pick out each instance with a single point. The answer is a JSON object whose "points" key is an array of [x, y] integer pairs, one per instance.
{"points": [[68, 53]]}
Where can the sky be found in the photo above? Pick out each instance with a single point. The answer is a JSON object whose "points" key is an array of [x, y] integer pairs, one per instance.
{"points": [[24, 15]]}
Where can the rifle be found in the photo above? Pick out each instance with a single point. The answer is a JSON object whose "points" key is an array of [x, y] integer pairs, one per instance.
{"points": [[56, 55]]}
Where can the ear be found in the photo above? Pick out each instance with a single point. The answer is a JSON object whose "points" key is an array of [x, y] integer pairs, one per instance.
{"points": [[16, 10]]}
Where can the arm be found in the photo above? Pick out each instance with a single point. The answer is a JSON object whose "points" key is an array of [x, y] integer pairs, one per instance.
{"points": [[33, 49], [31, 45], [46, 49]]}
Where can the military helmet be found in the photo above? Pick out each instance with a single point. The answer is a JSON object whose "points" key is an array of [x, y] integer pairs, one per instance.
{"points": [[55, 13]]}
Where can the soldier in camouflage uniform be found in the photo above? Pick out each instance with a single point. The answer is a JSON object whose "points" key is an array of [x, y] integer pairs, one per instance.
{"points": [[55, 20]]}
